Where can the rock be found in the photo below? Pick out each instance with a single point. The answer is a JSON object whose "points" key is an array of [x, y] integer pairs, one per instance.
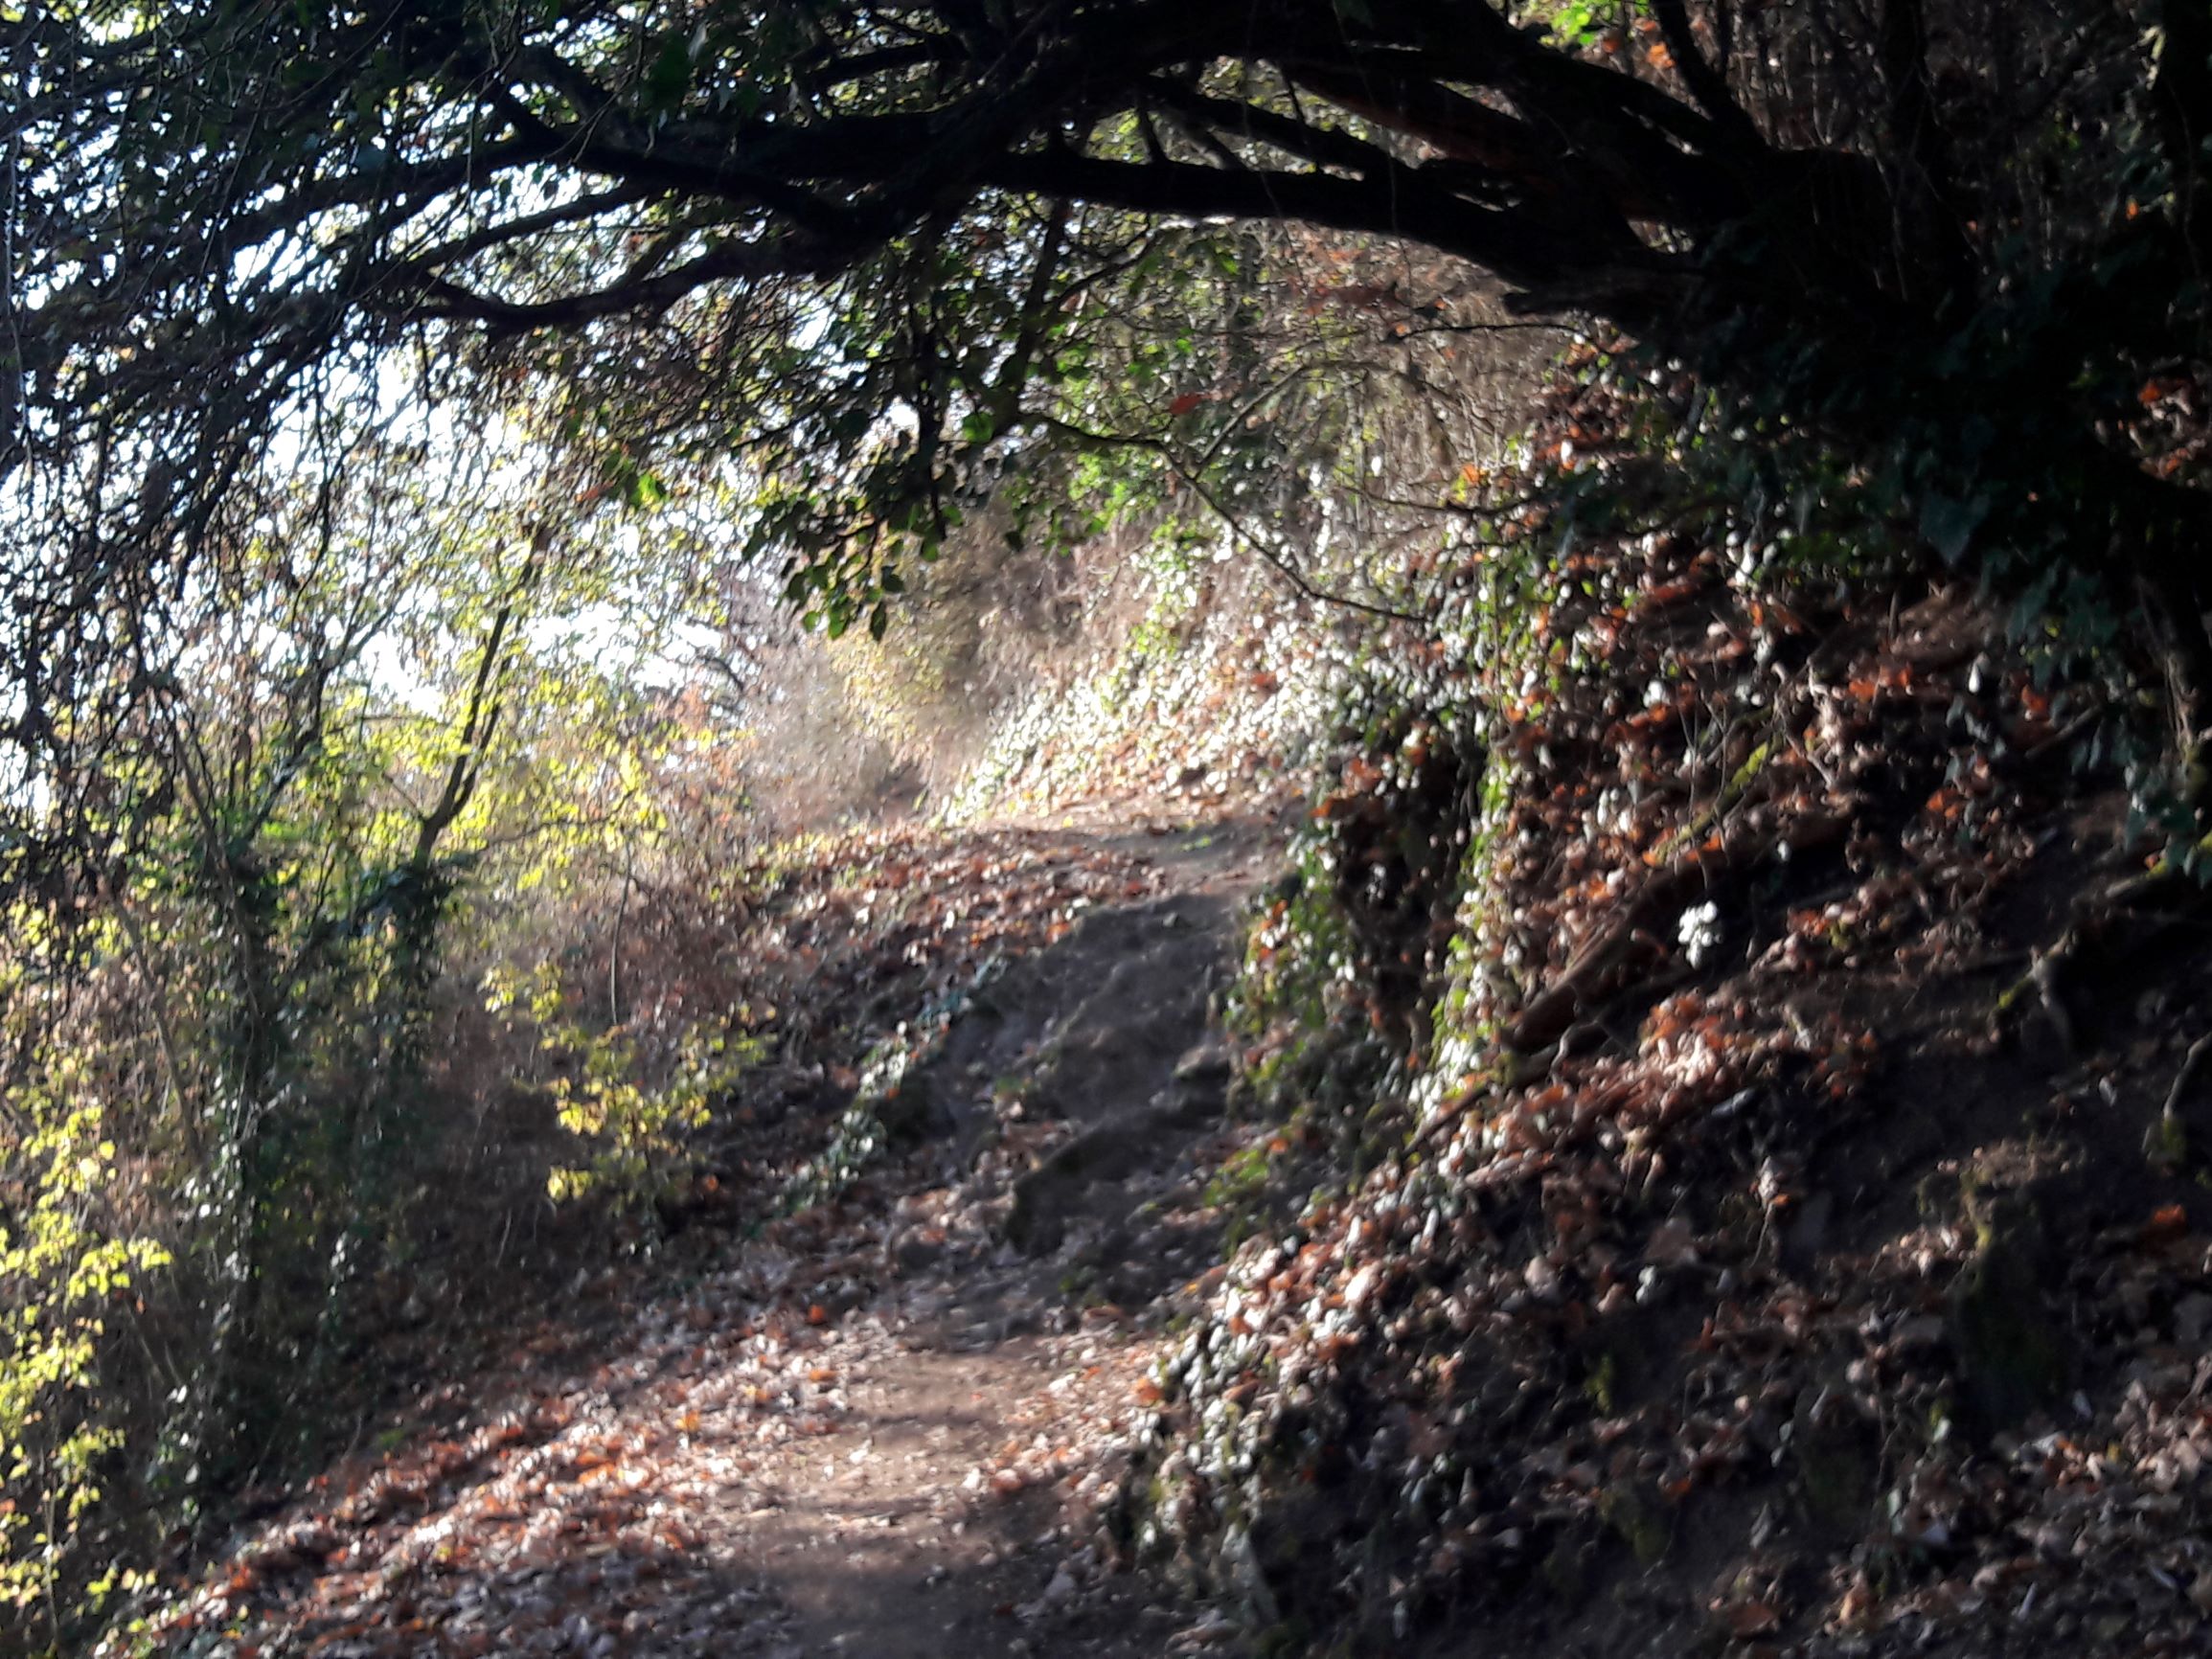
{"points": [[1189, 1103], [1045, 1198], [1566, 1570], [1242, 1564], [1806, 1233], [2200, 1591], [1038, 1220], [1103, 1155], [1920, 1333], [2192, 1318], [1207, 1064]]}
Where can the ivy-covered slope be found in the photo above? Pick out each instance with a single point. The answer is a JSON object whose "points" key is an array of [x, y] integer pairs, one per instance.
{"points": [[1737, 1183]]}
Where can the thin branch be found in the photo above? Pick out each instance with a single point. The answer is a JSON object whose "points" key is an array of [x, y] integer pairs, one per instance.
{"points": [[1299, 581]]}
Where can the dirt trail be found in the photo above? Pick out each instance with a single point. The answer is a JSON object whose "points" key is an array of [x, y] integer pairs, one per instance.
{"points": [[1084, 1099], [912, 1462]]}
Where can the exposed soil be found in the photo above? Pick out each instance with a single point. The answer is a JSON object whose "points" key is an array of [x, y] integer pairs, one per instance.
{"points": [[886, 1426]]}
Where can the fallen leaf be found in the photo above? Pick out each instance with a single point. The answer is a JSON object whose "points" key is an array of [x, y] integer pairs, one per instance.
{"points": [[2167, 1223]]}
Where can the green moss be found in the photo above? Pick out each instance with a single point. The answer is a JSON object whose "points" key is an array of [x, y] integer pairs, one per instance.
{"points": [[2012, 1354], [1638, 1519], [1838, 1470], [1702, 820], [1928, 1198], [1602, 1386], [1566, 1571], [2166, 1144], [1239, 1180]]}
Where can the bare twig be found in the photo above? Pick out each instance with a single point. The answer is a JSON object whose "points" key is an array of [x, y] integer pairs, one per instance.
{"points": [[2192, 1063]]}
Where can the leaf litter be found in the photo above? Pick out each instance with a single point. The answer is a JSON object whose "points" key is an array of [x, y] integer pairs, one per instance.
{"points": [[1759, 1257], [828, 1416]]}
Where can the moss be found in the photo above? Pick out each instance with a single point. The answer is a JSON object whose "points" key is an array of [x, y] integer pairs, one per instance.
{"points": [[1731, 792], [1636, 1516], [1566, 1571], [1839, 1453], [1602, 1386], [2013, 1355], [2166, 1144], [1928, 1196], [1239, 1180]]}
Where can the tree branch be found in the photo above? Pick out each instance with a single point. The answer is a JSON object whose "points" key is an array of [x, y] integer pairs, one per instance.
{"points": [[1708, 83]]}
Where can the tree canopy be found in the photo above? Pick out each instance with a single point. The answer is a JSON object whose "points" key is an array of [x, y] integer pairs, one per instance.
{"points": [[861, 253]]}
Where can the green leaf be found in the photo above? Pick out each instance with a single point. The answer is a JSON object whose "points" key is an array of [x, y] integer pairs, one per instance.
{"points": [[669, 75], [1948, 525], [978, 427], [1578, 22]]}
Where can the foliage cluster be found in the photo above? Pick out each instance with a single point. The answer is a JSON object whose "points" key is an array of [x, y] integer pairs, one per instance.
{"points": [[65, 1276], [383, 736], [928, 254]]}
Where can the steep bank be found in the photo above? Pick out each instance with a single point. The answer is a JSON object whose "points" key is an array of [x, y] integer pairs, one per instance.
{"points": [[1739, 1177]]}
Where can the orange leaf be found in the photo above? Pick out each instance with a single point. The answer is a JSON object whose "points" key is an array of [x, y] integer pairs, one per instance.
{"points": [[2167, 1223], [1750, 1619]]}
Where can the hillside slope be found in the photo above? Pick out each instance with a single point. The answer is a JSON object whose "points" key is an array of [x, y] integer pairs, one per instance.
{"points": [[1695, 1144], [1740, 1182]]}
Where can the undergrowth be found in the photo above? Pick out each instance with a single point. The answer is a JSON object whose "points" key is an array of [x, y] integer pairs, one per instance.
{"points": [[1535, 1007]]}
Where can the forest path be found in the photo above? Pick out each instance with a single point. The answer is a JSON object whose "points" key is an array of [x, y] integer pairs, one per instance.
{"points": [[891, 1425], [990, 1387]]}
